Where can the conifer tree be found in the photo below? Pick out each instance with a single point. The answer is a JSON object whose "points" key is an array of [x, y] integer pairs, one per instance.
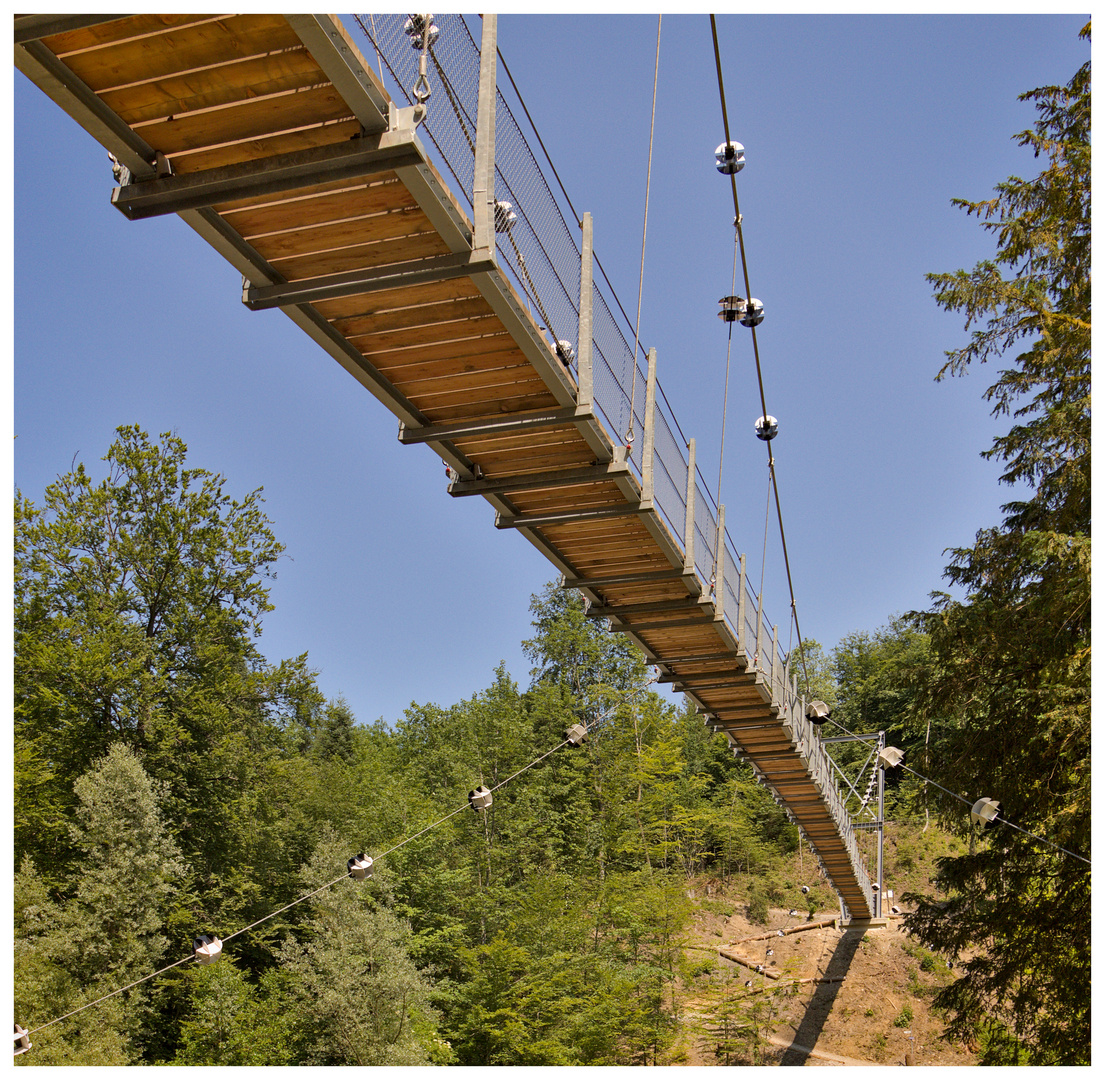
{"points": [[1007, 687]]}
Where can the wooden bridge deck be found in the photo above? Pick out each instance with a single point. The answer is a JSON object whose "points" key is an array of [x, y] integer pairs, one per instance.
{"points": [[273, 139]]}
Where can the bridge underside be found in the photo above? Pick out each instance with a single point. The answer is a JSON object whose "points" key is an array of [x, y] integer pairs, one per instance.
{"points": [[273, 139]]}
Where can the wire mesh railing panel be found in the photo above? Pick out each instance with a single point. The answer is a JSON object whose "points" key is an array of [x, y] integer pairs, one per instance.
{"points": [[611, 374], [670, 478], [536, 246], [453, 78], [750, 620], [732, 592], [705, 532]]}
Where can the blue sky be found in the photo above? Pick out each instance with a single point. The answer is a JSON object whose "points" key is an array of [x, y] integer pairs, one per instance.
{"points": [[858, 132]]}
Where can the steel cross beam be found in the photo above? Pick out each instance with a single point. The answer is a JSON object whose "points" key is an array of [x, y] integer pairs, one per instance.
{"points": [[647, 578], [365, 156], [565, 517], [500, 425], [655, 607], [532, 481], [694, 676], [35, 27]]}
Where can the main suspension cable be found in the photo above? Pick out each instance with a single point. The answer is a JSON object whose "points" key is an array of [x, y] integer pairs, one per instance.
{"points": [[737, 221]]}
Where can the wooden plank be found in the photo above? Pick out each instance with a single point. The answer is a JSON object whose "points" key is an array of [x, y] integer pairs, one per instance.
{"points": [[492, 348], [204, 88], [181, 48], [497, 467], [252, 149], [657, 592], [451, 414], [316, 205], [468, 308], [412, 299], [563, 497], [470, 385], [483, 381], [521, 442], [485, 327], [505, 389], [130, 26], [361, 256], [392, 225], [450, 366], [254, 118], [504, 466], [593, 536]]}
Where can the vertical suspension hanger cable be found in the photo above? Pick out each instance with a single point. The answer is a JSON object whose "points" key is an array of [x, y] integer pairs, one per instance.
{"points": [[644, 235]]}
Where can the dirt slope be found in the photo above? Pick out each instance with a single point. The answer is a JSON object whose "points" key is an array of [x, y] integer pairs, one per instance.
{"points": [[869, 1005]]}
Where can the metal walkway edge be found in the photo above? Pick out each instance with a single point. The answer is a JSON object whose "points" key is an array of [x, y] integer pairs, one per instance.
{"points": [[272, 138]]}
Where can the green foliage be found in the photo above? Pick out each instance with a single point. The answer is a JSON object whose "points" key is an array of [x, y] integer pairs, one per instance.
{"points": [[170, 781], [905, 1017], [130, 873], [136, 602], [354, 987], [232, 1022], [1007, 688], [758, 906], [107, 930]]}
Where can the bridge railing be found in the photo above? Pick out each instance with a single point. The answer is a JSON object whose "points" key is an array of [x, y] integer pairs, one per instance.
{"points": [[539, 251], [537, 248]]}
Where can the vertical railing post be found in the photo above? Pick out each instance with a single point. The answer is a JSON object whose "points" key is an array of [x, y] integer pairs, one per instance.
{"points": [[774, 656], [586, 308], [688, 528], [648, 446], [882, 821], [742, 636], [483, 175], [719, 575]]}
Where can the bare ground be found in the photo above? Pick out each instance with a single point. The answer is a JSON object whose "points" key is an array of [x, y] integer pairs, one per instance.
{"points": [[871, 1004]]}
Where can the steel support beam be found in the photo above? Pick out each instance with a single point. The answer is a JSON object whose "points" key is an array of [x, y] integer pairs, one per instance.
{"points": [[504, 425], [646, 578], [534, 481], [35, 27], [671, 624], [564, 517], [372, 279], [76, 98], [333, 50], [656, 607], [268, 176]]}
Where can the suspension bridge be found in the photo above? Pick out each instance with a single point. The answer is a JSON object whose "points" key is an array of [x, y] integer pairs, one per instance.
{"points": [[450, 286]]}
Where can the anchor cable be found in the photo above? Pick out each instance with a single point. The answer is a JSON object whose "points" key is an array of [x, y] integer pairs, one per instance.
{"points": [[314, 892]]}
